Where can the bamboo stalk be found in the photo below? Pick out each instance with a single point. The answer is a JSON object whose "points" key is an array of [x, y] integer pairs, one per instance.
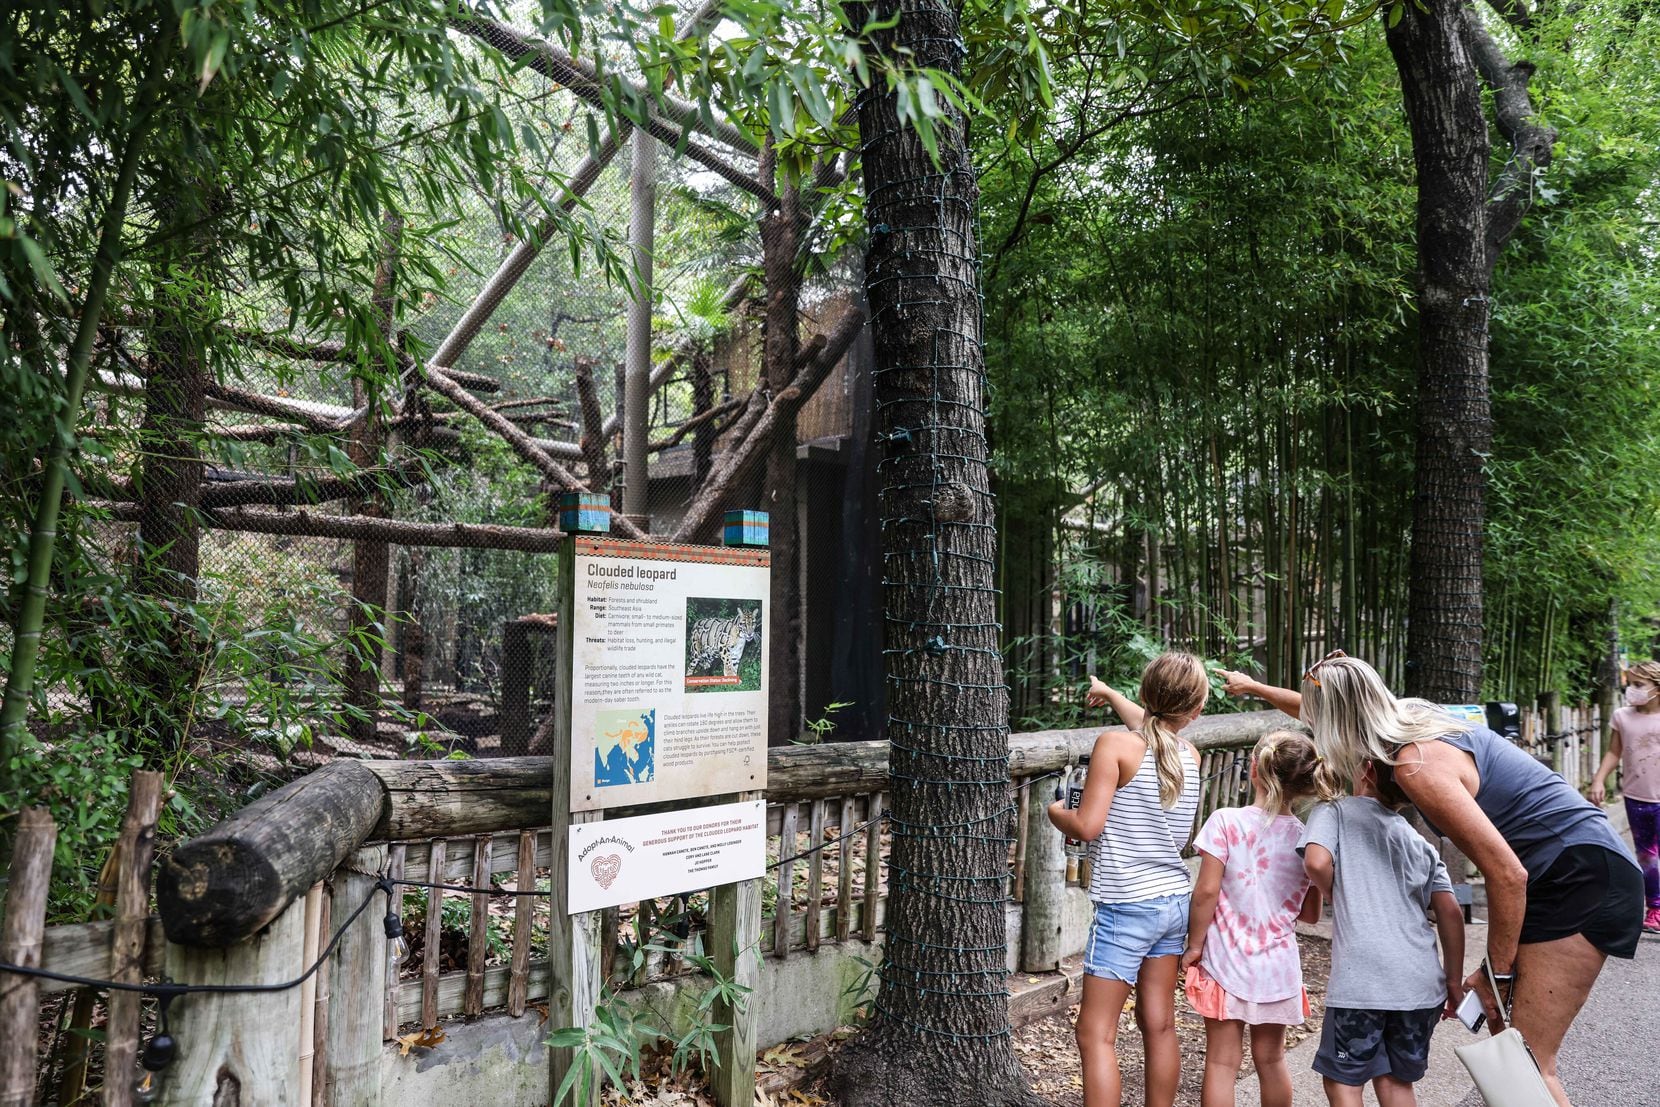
{"points": [[308, 990], [43, 531], [395, 855]]}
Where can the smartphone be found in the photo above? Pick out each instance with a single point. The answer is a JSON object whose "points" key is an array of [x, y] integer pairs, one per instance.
{"points": [[1471, 1013]]}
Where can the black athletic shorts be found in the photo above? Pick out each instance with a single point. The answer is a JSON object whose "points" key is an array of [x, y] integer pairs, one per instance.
{"points": [[1587, 890], [1357, 1045]]}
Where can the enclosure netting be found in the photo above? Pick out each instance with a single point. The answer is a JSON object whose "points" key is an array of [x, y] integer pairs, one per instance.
{"points": [[458, 643]]}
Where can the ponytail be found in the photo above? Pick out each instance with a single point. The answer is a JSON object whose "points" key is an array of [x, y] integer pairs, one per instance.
{"points": [[1290, 771], [1172, 686], [1167, 757]]}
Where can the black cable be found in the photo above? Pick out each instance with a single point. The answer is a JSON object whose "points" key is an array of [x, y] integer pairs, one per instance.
{"points": [[168, 991]]}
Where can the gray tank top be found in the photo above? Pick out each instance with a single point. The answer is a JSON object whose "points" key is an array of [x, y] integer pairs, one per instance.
{"points": [[1536, 811]]}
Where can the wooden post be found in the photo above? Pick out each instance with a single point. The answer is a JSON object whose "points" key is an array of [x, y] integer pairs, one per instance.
{"points": [[1551, 704], [873, 863], [239, 1045], [783, 911], [1040, 924], [844, 871], [573, 940], [478, 933], [735, 947], [357, 985], [434, 934], [20, 943], [135, 850], [518, 983], [815, 875], [636, 395]]}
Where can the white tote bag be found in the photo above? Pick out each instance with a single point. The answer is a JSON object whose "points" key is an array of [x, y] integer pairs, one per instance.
{"points": [[1505, 1072]]}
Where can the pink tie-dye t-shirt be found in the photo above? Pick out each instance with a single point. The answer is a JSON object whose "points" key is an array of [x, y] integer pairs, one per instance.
{"points": [[1251, 949]]}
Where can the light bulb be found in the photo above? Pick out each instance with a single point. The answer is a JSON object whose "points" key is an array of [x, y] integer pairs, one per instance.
{"points": [[397, 946]]}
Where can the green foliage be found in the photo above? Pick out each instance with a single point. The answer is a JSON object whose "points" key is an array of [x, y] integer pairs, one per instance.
{"points": [[614, 1042]]}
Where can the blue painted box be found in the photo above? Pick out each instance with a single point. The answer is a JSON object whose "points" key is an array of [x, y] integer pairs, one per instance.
{"points": [[745, 528], [585, 512]]}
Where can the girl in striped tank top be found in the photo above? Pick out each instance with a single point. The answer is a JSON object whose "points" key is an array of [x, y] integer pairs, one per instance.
{"points": [[1137, 813]]}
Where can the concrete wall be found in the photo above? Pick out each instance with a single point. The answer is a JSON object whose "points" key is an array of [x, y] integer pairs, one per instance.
{"points": [[500, 1061]]}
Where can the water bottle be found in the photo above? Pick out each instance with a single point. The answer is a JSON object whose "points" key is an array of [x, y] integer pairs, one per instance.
{"points": [[1076, 848]]}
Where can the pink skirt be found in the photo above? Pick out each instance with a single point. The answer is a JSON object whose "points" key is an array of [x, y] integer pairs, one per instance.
{"points": [[1213, 1001]]}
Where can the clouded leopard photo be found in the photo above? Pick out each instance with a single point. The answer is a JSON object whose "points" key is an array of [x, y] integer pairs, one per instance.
{"points": [[719, 635]]}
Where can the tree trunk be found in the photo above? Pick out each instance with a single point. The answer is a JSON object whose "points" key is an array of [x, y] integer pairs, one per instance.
{"points": [[780, 337], [942, 1013], [170, 472], [371, 560], [1454, 424]]}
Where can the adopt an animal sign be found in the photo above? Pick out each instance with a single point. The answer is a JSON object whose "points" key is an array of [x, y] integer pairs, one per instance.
{"points": [[668, 689], [623, 860]]}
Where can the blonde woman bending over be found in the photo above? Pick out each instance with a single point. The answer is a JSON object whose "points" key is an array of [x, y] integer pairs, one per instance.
{"points": [[1137, 813], [1563, 892]]}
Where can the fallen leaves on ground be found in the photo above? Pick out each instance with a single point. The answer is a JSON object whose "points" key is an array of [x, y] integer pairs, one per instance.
{"points": [[420, 1039]]}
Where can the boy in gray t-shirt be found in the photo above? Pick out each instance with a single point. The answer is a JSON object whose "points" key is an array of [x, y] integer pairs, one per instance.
{"points": [[1388, 988]]}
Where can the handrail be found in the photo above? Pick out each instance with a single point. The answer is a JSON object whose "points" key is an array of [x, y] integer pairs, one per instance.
{"points": [[233, 880]]}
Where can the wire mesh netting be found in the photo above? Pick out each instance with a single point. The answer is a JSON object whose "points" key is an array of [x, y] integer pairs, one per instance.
{"points": [[362, 563]]}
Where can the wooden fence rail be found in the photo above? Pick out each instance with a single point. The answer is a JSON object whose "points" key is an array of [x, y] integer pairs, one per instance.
{"points": [[474, 824]]}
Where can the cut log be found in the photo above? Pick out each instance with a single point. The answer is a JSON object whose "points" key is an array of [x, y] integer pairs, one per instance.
{"points": [[226, 884], [229, 882]]}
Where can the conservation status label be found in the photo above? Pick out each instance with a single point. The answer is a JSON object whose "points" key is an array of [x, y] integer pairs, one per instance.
{"points": [[623, 860], [668, 696]]}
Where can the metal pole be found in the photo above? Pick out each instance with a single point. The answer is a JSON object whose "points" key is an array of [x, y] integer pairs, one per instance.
{"points": [[636, 400]]}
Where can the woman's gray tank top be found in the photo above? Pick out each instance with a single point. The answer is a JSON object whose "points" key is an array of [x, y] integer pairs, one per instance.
{"points": [[1538, 813]]}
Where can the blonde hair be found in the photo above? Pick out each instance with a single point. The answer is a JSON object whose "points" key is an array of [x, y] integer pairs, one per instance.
{"points": [[1356, 719], [1646, 671], [1290, 770], [1173, 685]]}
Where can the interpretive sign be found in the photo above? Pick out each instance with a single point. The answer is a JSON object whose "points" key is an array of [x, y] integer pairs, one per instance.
{"points": [[623, 860], [668, 689]]}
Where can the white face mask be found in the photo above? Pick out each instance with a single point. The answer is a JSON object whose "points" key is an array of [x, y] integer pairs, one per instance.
{"points": [[1639, 694]]}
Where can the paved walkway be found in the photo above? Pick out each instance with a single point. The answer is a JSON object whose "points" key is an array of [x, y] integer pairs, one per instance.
{"points": [[1611, 1057]]}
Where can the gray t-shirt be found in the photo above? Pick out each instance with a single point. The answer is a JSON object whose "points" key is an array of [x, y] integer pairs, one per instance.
{"points": [[1383, 955]]}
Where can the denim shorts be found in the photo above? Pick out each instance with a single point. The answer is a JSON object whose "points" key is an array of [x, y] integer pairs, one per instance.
{"points": [[1124, 935]]}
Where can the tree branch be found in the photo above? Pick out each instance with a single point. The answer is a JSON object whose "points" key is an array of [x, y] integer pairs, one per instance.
{"points": [[1531, 140], [521, 442], [475, 536], [814, 364]]}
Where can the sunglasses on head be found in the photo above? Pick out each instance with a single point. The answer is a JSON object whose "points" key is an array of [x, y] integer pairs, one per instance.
{"points": [[1309, 676]]}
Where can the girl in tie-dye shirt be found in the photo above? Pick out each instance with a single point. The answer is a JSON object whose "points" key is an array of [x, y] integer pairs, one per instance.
{"points": [[1242, 963]]}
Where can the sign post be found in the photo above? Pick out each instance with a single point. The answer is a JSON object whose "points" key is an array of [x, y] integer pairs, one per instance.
{"points": [[661, 699]]}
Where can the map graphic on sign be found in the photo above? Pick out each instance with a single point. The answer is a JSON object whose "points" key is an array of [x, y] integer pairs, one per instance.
{"points": [[625, 746]]}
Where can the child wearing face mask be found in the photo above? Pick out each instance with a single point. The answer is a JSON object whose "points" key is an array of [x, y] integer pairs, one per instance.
{"points": [[1635, 750]]}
